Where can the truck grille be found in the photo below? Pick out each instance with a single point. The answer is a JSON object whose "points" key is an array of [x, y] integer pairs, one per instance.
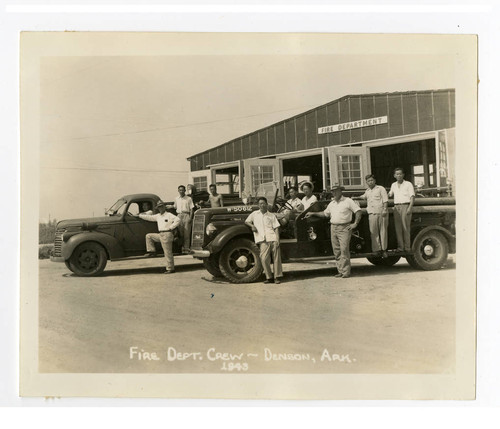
{"points": [[58, 242], [198, 232]]}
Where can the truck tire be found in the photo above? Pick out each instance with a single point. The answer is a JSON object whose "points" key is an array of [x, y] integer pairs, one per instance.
{"points": [[211, 264], [68, 265], [239, 261], [386, 262], [430, 251], [88, 259]]}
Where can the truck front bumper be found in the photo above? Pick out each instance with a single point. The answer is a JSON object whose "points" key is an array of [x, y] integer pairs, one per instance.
{"points": [[57, 258], [200, 253]]}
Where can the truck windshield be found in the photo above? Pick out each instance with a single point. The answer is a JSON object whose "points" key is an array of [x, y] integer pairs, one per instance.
{"points": [[268, 190], [117, 208]]}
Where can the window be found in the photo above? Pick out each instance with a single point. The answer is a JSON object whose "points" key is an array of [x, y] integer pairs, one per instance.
{"points": [[261, 174], [349, 168], [200, 183]]}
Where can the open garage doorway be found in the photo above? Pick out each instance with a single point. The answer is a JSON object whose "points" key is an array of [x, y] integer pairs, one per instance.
{"points": [[303, 169], [418, 159]]}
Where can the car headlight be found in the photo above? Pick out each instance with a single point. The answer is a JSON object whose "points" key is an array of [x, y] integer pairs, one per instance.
{"points": [[210, 229]]}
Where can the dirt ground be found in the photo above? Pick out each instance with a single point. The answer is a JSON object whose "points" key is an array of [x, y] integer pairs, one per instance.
{"points": [[133, 319]]}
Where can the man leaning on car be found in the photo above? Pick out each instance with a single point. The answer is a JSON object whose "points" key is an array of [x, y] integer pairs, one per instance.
{"points": [[167, 222]]}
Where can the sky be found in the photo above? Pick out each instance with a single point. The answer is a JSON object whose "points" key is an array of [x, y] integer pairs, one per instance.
{"points": [[115, 125]]}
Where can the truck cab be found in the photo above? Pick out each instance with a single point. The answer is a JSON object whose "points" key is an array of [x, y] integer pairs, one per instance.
{"points": [[85, 245]]}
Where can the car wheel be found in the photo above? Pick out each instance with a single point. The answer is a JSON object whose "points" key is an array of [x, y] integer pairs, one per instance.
{"points": [[239, 261], [386, 262], [211, 264], [88, 259], [430, 251]]}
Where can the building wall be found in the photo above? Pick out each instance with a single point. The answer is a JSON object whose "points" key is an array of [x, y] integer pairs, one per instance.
{"points": [[408, 113]]}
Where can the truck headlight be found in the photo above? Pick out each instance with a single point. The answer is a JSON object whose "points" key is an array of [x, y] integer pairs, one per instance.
{"points": [[210, 229]]}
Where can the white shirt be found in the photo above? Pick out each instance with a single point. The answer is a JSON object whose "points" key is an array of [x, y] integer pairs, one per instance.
{"points": [[265, 224], [296, 204], [375, 199], [341, 212], [184, 204], [166, 221], [402, 193], [308, 202]]}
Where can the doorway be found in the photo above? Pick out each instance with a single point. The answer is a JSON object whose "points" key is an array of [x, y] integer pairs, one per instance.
{"points": [[304, 169], [417, 159]]}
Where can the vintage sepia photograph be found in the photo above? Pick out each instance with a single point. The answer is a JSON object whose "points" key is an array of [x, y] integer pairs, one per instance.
{"points": [[231, 215]]}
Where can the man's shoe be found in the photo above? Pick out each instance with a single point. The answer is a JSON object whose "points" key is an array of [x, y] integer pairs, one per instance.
{"points": [[150, 254], [169, 272], [277, 281], [338, 275], [267, 281], [345, 276]]}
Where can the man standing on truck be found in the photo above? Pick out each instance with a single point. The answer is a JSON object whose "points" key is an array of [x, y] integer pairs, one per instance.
{"points": [[167, 222], [378, 216], [214, 199], [340, 211], [404, 195], [184, 207], [265, 227]]}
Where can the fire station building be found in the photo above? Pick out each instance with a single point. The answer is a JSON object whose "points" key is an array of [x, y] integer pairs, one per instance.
{"points": [[341, 142]]}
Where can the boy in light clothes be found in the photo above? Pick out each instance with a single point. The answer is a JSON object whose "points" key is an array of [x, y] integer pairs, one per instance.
{"points": [[265, 227]]}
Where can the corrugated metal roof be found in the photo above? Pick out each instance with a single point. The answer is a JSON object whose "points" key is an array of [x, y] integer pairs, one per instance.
{"points": [[346, 97]]}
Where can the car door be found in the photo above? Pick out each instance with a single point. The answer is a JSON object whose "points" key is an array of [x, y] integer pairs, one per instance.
{"points": [[133, 231]]}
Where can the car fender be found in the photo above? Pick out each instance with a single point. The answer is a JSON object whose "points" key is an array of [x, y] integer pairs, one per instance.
{"points": [[228, 234], [110, 244], [448, 235]]}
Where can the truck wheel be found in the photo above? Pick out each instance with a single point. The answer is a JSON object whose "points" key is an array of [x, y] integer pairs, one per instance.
{"points": [[386, 262], [430, 251], [211, 264], [240, 262], [88, 259], [68, 265]]}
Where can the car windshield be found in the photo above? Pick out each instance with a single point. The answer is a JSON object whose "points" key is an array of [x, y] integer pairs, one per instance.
{"points": [[117, 208]]}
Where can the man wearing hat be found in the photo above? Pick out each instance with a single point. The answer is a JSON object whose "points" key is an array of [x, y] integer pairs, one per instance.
{"points": [[340, 212], [167, 222]]}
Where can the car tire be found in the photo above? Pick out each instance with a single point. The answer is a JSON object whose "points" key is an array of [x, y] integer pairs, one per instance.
{"points": [[430, 251], [211, 264], [88, 259], [239, 261], [385, 262]]}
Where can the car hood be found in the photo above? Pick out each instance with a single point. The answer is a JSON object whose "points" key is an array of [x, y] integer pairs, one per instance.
{"points": [[88, 220]]}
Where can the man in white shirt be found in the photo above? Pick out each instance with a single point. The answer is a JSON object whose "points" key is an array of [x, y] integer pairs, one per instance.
{"points": [[265, 227], [309, 199], [294, 203], [404, 195], [184, 207], [340, 212], [378, 216], [167, 222]]}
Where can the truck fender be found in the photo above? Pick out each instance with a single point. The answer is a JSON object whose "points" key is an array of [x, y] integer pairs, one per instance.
{"points": [[450, 237], [110, 244], [228, 234]]}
